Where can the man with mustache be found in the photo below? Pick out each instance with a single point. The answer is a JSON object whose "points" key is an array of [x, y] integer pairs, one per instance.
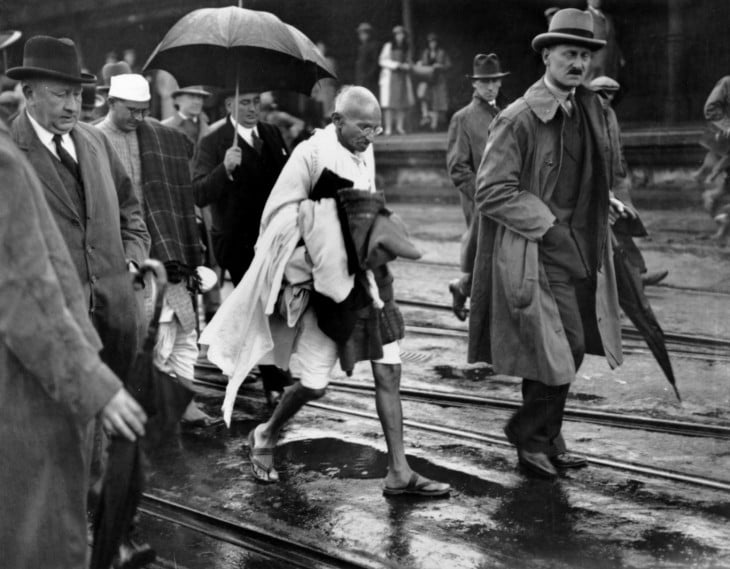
{"points": [[545, 292]]}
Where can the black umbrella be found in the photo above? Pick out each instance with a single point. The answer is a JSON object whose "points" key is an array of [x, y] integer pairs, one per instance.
{"points": [[124, 478], [636, 306], [236, 48]]}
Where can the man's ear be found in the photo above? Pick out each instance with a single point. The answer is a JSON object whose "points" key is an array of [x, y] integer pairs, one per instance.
{"points": [[336, 118], [545, 53]]}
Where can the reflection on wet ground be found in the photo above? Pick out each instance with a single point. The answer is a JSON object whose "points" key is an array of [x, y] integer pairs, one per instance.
{"points": [[330, 492]]}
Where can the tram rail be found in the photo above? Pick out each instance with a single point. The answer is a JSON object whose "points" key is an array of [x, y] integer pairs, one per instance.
{"points": [[494, 440], [253, 538]]}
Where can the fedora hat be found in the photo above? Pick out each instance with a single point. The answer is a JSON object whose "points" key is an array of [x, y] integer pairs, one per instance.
{"points": [[90, 99], [196, 90], [487, 67], [110, 70], [571, 26], [50, 58]]}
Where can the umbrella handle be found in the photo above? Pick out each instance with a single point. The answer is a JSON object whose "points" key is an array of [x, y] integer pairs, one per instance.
{"points": [[235, 113]]}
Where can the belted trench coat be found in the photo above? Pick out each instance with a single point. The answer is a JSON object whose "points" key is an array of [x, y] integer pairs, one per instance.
{"points": [[514, 319]]}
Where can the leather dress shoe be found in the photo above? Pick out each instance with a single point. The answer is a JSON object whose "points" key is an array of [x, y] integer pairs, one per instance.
{"points": [[568, 460], [458, 300], [537, 463]]}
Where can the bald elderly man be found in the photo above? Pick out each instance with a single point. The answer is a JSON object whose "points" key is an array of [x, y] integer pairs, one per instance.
{"points": [[343, 148]]}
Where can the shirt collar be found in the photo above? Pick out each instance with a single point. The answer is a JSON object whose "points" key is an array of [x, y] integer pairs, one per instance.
{"points": [[194, 120], [559, 94], [45, 135], [245, 131]]}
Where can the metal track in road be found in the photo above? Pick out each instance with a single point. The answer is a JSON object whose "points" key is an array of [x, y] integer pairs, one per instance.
{"points": [[456, 268], [621, 420], [575, 414], [689, 340], [252, 538], [467, 434]]}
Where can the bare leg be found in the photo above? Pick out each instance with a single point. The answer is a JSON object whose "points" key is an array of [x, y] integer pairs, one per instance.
{"points": [[400, 120], [390, 413]]}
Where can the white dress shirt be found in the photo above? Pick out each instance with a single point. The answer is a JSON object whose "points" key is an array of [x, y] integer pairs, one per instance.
{"points": [[46, 137], [245, 133]]}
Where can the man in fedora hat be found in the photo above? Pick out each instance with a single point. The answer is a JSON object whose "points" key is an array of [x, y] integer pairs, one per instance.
{"points": [[544, 291], [157, 158], [466, 141], [367, 69], [88, 191], [189, 118]]}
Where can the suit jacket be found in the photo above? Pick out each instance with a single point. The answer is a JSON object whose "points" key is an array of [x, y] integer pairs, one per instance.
{"points": [[113, 233], [176, 122], [52, 381], [237, 204]]}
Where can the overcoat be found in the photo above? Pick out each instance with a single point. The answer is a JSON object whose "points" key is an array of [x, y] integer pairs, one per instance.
{"points": [[514, 319], [52, 381], [101, 245]]}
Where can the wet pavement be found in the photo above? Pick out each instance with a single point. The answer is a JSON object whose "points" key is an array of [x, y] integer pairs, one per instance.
{"points": [[332, 464]]}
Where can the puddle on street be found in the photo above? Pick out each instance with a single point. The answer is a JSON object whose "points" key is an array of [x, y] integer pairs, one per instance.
{"points": [[533, 522]]}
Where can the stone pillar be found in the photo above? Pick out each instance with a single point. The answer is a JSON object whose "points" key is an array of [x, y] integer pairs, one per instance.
{"points": [[674, 102], [408, 19]]}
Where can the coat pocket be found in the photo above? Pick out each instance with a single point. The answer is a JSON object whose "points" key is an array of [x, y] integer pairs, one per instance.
{"points": [[517, 262]]}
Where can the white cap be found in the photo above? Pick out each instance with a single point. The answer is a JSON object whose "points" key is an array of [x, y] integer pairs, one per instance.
{"points": [[130, 87]]}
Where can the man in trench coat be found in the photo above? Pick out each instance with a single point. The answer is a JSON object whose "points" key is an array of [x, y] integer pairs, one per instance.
{"points": [[52, 382], [544, 290]]}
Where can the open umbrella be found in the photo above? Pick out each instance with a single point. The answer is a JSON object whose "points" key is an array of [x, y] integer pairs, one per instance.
{"points": [[234, 47], [636, 306]]}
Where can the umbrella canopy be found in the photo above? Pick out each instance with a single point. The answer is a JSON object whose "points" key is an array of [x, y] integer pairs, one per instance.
{"points": [[636, 306], [230, 47]]}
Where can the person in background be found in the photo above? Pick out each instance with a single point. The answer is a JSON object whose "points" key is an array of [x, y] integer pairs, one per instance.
{"points": [[325, 89], [235, 181], [621, 185], [191, 120], [467, 138], [609, 60], [90, 103], [433, 93], [544, 291], [367, 69], [110, 69], [396, 89], [157, 159]]}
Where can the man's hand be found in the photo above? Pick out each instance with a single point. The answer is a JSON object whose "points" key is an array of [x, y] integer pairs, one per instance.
{"points": [[123, 416], [232, 159], [618, 209]]}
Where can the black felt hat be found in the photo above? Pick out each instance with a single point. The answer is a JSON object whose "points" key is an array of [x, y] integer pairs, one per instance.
{"points": [[487, 67], [45, 57]]}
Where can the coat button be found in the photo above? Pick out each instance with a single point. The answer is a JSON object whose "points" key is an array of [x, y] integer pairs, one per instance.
{"points": [[89, 249], [93, 279]]}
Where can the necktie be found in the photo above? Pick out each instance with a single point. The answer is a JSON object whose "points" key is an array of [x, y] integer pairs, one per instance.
{"points": [[257, 142], [569, 105], [66, 159]]}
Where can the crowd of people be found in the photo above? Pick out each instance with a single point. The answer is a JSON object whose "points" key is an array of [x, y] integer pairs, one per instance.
{"points": [[305, 236]]}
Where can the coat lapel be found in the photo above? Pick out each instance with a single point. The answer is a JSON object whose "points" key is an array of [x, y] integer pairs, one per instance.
{"points": [[87, 157], [42, 161]]}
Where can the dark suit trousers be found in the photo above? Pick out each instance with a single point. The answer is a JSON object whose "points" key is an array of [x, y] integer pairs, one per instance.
{"points": [[536, 425]]}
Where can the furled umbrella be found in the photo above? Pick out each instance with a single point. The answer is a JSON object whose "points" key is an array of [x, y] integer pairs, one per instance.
{"points": [[123, 484], [636, 306], [241, 49]]}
